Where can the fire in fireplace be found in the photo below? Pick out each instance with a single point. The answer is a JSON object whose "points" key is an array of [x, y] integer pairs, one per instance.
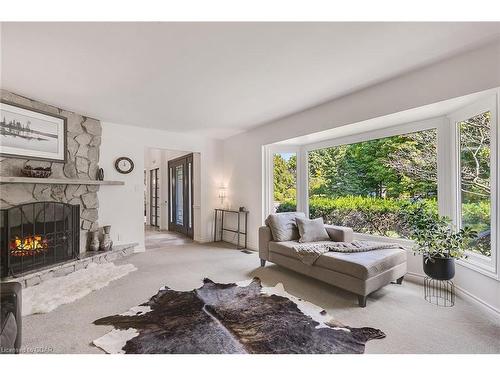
{"points": [[28, 246], [36, 235]]}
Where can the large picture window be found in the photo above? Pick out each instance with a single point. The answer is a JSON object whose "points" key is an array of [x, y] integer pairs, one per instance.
{"points": [[475, 174], [371, 186], [377, 182]]}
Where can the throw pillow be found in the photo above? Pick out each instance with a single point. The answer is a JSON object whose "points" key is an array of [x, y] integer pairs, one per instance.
{"points": [[312, 230], [283, 226]]}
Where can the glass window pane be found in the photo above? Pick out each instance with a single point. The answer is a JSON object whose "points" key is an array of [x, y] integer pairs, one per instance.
{"points": [[475, 189], [285, 182], [179, 199], [372, 186]]}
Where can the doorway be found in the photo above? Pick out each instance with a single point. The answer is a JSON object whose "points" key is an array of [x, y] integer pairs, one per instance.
{"points": [[180, 192]]}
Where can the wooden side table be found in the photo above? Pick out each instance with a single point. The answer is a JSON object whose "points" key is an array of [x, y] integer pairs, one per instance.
{"points": [[238, 231]]}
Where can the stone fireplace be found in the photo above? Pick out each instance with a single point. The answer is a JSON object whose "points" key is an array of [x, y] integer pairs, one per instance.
{"points": [[83, 139], [37, 235]]}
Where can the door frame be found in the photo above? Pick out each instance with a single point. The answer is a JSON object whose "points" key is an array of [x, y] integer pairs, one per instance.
{"points": [[188, 193]]}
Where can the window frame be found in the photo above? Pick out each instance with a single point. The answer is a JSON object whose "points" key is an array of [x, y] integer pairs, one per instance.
{"points": [[488, 266], [268, 177]]}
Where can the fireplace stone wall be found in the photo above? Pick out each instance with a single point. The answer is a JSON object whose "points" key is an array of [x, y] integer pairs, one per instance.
{"points": [[83, 142]]}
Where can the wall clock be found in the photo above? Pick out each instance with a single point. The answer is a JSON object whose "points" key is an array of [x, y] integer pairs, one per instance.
{"points": [[124, 165]]}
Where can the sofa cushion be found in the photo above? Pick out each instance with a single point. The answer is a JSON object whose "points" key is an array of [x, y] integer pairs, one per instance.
{"points": [[283, 225], [362, 265], [312, 230], [284, 248]]}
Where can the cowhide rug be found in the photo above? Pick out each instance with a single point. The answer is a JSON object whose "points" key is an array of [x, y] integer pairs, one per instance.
{"points": [[230, 318]]}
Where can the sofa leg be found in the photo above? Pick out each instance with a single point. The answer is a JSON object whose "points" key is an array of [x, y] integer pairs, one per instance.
{"points": [[262, 262], [362, 301], [400, 280]]}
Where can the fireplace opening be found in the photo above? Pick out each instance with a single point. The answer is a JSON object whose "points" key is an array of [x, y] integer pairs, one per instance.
{"points": [[36, 235]]}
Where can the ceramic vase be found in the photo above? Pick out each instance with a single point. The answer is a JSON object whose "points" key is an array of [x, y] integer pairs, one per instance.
{"points": [[100, 174], [94, 240], [106, 242]]}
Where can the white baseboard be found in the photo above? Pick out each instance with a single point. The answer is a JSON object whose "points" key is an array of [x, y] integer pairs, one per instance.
{"points": [[419, 278]]}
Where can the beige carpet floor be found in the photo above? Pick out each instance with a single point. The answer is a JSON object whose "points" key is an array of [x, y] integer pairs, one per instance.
{"points": [[411, 324]]}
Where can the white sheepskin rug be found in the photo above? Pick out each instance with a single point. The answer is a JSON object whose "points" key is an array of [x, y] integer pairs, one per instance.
{"points": [[50, 294]]}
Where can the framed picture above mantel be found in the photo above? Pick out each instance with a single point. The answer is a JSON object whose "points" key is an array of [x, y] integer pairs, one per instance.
{"points": [[31, 134]]}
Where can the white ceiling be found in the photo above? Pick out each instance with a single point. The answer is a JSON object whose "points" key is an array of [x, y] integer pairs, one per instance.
{"points": [[215, 78]]}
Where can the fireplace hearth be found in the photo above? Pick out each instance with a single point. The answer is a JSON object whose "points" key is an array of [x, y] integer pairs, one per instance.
{"points": [[37, 235]]}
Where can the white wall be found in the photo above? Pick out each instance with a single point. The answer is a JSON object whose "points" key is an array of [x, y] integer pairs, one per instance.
{"points": [[460, 75], [122, 206]]}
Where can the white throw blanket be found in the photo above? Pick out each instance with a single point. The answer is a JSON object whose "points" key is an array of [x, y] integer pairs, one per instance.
{"points": [[309, 253]]}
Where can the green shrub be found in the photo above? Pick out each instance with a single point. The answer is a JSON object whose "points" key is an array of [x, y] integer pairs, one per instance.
{"points": [[383, 217], [476, 215], [287, 206], [391, 217]]}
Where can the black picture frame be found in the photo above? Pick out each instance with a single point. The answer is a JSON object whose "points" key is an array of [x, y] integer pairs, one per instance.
{"points": [[61, 139]]}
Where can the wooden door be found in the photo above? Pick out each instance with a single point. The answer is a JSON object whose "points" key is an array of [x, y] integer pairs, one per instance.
{"points": [[180, 176]]}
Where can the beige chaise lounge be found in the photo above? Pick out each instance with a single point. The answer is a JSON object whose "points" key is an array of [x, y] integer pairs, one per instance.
{"points": [[361, 273]]}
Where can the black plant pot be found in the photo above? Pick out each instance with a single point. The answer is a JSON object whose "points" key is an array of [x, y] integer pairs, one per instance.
{"points": [[439, 268]]}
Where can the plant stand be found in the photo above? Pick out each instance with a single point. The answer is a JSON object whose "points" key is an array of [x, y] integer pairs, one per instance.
{"points": [[439, 292]]}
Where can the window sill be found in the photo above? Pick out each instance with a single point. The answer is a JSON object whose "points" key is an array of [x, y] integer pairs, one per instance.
{"points": [[474, 264]]}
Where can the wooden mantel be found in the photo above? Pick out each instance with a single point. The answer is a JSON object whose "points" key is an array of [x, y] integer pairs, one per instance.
{"points": [[55, 181]]}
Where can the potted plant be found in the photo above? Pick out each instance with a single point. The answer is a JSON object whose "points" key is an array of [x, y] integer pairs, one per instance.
{"points": [[440, 242]]}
